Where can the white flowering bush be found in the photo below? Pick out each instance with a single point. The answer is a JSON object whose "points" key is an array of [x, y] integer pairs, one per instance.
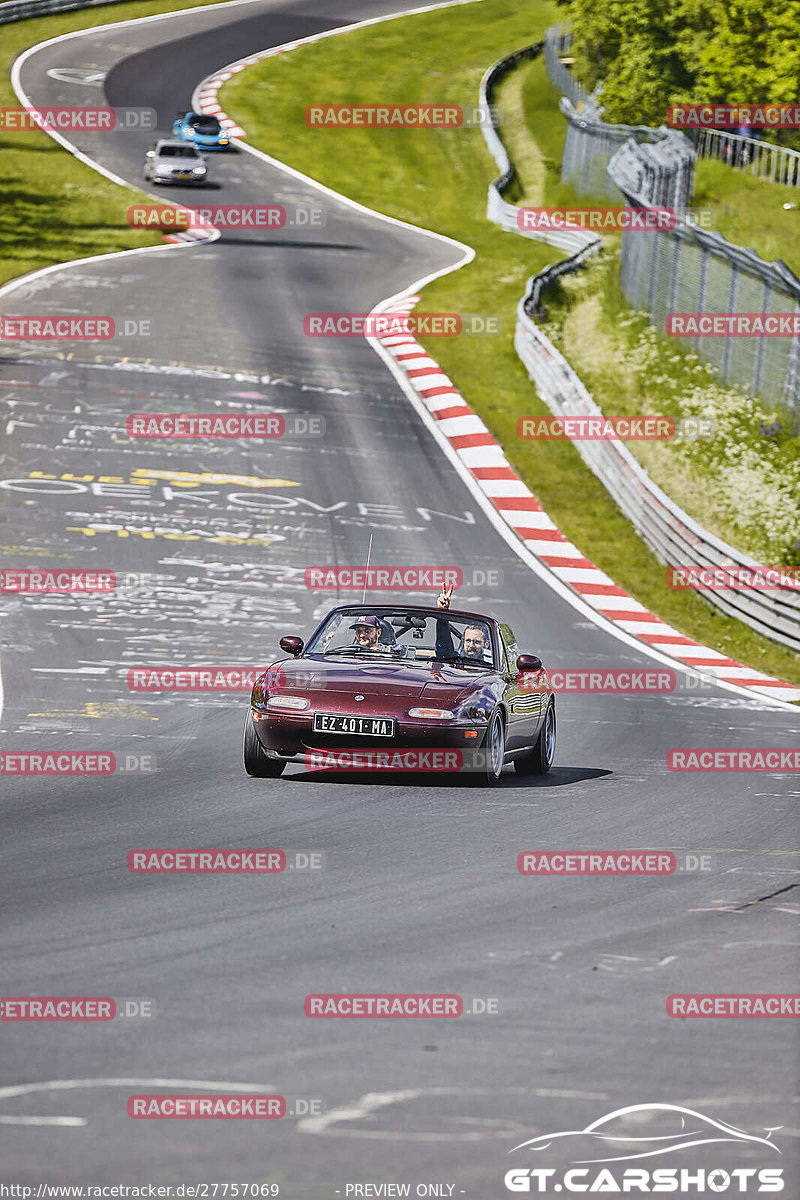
{"points": [[741, 481]]}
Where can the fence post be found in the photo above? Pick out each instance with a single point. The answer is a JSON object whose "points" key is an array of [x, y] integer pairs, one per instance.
{"points": [[758, 366], [727, 347]]}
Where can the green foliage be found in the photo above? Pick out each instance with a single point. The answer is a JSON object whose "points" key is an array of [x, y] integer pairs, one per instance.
{"points": [[659, 52]]}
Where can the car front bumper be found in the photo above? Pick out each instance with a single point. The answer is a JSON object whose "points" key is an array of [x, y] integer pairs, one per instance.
{"points": [[291, 736]]}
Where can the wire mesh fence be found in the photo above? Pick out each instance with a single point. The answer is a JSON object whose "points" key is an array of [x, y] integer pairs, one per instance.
{"points": [[686, 269]]}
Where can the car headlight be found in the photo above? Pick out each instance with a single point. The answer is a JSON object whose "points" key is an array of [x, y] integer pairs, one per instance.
{"points": [[198, 170], [434, 714], [296, 703]]}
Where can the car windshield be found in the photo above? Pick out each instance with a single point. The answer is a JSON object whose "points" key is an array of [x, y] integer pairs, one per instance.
{"points": [[205, 124], [178, 152], [405, 635]]}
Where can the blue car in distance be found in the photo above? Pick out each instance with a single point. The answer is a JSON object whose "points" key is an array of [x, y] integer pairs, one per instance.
{"points": [[201, 130]]}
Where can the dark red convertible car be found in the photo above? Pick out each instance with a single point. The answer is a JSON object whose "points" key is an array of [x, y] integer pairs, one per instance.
{"points": [[404, 678]]}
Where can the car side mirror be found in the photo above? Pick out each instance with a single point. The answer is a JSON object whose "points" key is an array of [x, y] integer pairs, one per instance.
{"points": [[529, 662], [292, 645]]}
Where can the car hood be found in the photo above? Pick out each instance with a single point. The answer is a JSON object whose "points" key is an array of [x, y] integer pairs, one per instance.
{"points": [[373, 678]]}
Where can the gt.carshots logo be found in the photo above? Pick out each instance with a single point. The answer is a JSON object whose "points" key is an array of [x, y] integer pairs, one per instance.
{"points": [[592, 1159]]}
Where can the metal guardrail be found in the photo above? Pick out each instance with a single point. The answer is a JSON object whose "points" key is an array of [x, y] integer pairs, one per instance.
{"points": [[674, 537], [499, 210], [765, 160], [21, 10]]}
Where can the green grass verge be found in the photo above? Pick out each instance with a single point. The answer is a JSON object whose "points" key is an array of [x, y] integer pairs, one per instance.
{"points": [[749, 211], [56, 208], [438, 179]]}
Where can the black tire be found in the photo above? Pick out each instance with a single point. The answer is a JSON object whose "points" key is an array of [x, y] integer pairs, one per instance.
{"points": [[542, 756], [256, 761], [494, 746]]}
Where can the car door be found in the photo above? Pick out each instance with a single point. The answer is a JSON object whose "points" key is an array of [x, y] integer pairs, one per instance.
{"points": [[525, 697]]}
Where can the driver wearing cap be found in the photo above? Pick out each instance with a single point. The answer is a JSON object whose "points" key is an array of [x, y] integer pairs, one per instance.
{"points": [[367, 630]]}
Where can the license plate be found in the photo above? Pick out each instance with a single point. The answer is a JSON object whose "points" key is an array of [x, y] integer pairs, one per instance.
{"points": [[343, 723], [183, 174]]}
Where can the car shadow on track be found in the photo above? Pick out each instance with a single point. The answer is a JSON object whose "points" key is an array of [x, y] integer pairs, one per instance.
{"points": [[558, 777]]}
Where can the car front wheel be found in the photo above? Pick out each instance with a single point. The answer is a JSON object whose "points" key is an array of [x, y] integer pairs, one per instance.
{"points": [[256, 760], [494, 748], [541, 758]]}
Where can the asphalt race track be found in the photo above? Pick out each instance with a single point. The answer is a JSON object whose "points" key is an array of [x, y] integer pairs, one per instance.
{"points": [[420, 889]]}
